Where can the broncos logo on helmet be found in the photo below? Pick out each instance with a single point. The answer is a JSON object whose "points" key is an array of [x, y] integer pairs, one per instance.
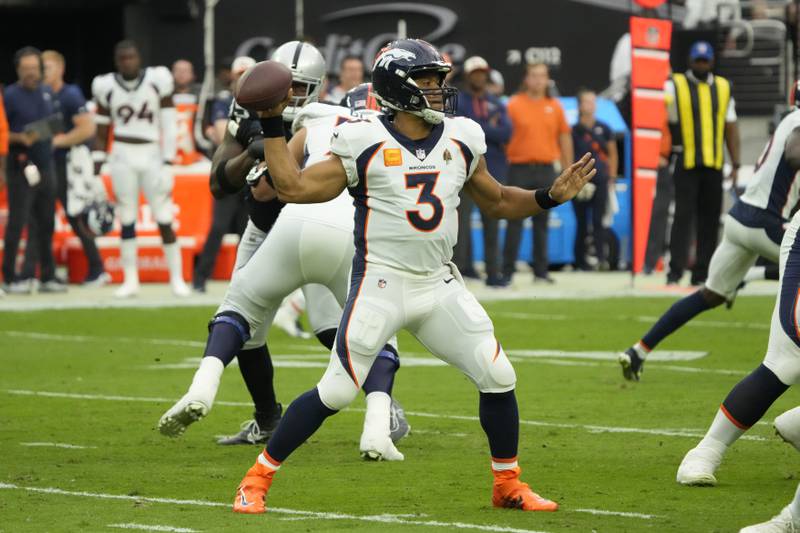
{"points": [[394, 71]]}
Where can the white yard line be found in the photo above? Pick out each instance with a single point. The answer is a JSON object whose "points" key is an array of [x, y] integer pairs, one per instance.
{"points": [[147, 527], [615, 513], [36, 335], [56, 445], [586, 427], [383, 519]]}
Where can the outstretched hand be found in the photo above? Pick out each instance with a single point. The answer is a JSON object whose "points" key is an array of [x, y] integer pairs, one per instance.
{"points": [[573, 178], [277, 109]]}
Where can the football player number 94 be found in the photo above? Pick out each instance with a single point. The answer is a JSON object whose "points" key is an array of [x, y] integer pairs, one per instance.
{"points": [[425, 182]]}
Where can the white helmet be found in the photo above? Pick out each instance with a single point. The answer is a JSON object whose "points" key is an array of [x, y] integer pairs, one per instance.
{"points": [[307, 66]]}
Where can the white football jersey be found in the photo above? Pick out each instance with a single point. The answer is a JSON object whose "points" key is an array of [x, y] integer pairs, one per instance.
{"points": [[773, 186], [134, 106], [405, 191], [320, 119]]}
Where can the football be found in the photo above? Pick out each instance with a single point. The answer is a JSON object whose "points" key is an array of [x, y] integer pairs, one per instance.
{"points": [[263, 85]]}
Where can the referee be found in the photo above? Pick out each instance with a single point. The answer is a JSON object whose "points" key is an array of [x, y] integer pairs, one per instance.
{"points": [[701, 114]]}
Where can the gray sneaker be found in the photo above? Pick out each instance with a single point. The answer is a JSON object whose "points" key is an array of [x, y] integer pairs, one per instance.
{"points": [[52, 286], [24, 286], [252, 433], [398, 423]]}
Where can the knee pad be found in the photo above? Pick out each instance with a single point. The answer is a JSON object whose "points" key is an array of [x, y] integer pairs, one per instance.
{"points": [[336, 388], [235, 319], [128, 231], [499, 375]]}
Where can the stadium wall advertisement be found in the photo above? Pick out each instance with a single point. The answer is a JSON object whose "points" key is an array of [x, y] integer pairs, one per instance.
{"points": [[507, 33]]}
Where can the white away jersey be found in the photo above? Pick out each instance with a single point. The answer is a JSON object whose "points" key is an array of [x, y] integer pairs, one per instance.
{"points": [[134, 106], [320, 120], [773, 187], [406, 192]]}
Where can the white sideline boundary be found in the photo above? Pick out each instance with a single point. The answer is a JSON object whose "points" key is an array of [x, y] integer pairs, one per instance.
{"points": [[56, 445], [148, 527], [591, 428], [404, 519], [382, 519]]}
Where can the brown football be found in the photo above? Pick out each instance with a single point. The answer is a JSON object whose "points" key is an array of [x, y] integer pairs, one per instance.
{"points": [[263, 85]]}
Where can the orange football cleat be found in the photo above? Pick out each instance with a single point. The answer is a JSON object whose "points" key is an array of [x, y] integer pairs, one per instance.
{"points": [[252, 492], [512, 493]]}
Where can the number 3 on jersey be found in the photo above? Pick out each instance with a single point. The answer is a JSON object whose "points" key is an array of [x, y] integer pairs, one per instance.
{"points": [[425, 181]]}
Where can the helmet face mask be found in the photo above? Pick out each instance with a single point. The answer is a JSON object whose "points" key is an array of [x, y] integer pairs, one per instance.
{"points": [[394, 76], [308, 69]]}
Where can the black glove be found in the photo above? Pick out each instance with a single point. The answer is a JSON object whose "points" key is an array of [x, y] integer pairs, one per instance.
{"points": [[256, 148], [248, 130]]}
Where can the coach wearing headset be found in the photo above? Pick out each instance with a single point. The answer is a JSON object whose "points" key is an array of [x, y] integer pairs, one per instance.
{"points": [[31, 186]]}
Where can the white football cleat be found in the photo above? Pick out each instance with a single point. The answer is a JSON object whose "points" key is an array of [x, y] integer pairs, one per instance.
{"points": [[787, 426], [782, 523], [184, 413], [375, 447], [286, 319], [698, 467], [180, 289], [128, 289]]}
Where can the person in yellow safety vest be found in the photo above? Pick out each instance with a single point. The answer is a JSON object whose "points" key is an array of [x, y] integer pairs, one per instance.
{"points": [[702, 113]]}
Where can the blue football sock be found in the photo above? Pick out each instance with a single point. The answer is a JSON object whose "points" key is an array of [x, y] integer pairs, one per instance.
{"points": [[676, 316], [224, 341], [500, 421], [750, 398], [303, 417], [381, 375]]}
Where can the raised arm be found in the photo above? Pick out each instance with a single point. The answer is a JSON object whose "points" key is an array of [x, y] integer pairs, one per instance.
{"points": [[501, 201], [319, 182]]}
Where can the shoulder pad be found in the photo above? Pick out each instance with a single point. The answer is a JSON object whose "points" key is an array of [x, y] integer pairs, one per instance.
{"points": [[316, 110], [161, 77], [101, 86]]}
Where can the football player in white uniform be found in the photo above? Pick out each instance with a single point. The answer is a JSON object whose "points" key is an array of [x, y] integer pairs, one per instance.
{"points": [[137, 103], [404, 172], [309, 244], [753, 227]]}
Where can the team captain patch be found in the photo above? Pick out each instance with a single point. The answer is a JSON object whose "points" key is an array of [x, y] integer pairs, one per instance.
{"points": [[392, 157]]}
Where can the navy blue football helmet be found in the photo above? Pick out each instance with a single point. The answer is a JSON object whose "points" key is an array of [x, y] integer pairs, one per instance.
{"points": [[393, 73], [361, 100]]}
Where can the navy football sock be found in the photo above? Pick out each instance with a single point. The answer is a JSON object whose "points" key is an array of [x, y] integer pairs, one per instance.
{"points": [[303, 417], [381, 375], [772, 272], [256, 368], [500, 421], [225, 338], [676, 316], [750, 398], [327, 337]]}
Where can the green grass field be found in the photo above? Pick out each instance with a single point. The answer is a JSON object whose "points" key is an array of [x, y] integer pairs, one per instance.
{"points": [[606, 450]]}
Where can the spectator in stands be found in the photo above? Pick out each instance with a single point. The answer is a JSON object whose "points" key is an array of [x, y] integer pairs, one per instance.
{"points": [[183, 74], [702, 113], [351, 74], [186, 98], [230, 213], [486, 109], [30, 109], [665, 190], [540, 138], [3, 143], [595, 136], [497, 86], [78, 128]]}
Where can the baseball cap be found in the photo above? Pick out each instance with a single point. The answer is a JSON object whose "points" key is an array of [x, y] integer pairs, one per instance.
{"points": [[242, 63], [701, 50], [475, 63]]}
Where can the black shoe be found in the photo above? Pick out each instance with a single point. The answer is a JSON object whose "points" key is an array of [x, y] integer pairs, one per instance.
{"points": [[470, 273], [199, 285], [632, 365], [497, 281], [252, 433], [543, 279]]}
